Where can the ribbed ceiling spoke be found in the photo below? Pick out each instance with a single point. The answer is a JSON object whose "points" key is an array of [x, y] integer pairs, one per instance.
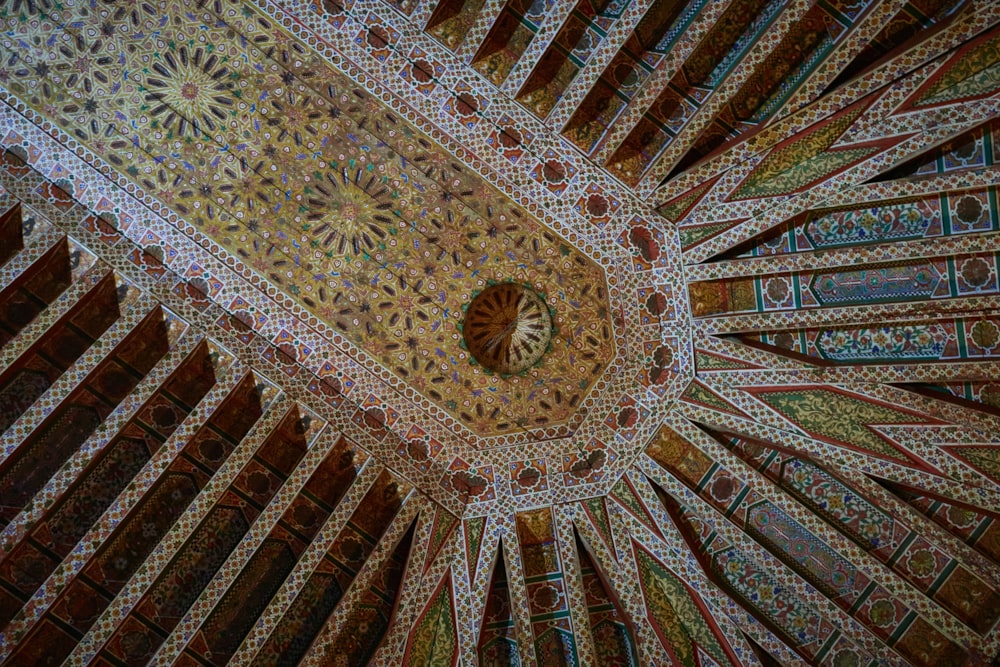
{"points": [[264, 550], [365, 603], [427, 588], [894, 373], [898, 65], [736, 464], [176, 539], [599, 59], [668, 64], [850, 56], [555, 20], [871, 453], [722, 91], [262, 646]]}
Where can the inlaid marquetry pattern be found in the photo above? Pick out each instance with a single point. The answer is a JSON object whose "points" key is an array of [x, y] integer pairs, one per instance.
{"points": [[368, 226], [201, 463]]}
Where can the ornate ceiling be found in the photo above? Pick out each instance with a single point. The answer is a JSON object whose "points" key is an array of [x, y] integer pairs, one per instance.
{"points": [[249, 414]]}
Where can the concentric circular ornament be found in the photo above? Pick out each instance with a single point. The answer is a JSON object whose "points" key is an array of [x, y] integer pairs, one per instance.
{"points": [[507, 328]]}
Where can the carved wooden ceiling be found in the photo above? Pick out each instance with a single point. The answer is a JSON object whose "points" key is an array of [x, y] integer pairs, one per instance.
{"points": [[249, 417]]}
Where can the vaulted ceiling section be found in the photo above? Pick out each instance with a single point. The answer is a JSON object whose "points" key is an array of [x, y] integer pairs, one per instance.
{"points": [[727, 392]]}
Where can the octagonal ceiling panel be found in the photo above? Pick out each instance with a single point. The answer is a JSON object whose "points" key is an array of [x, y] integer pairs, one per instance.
{"points": [[358, 220], [289, 167]]}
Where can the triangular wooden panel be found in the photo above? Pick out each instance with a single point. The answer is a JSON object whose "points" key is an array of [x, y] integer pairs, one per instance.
{"points": [[497, 635], [473, 530], [972, 73], [434, 638], [444, 523], [712, 361], [681, 621], [675, 209], [699, 394], [626, 496], [611, 629], [802, 160], [844, 419], [692, 235], [597, 512]]}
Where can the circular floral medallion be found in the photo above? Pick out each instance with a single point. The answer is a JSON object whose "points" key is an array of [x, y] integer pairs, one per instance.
{"points": [[507, 328], [969, 209], [985, 334]]}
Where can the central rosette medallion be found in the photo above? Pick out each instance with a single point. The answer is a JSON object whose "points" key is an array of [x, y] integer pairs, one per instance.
{"points": [[507, 328]]}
